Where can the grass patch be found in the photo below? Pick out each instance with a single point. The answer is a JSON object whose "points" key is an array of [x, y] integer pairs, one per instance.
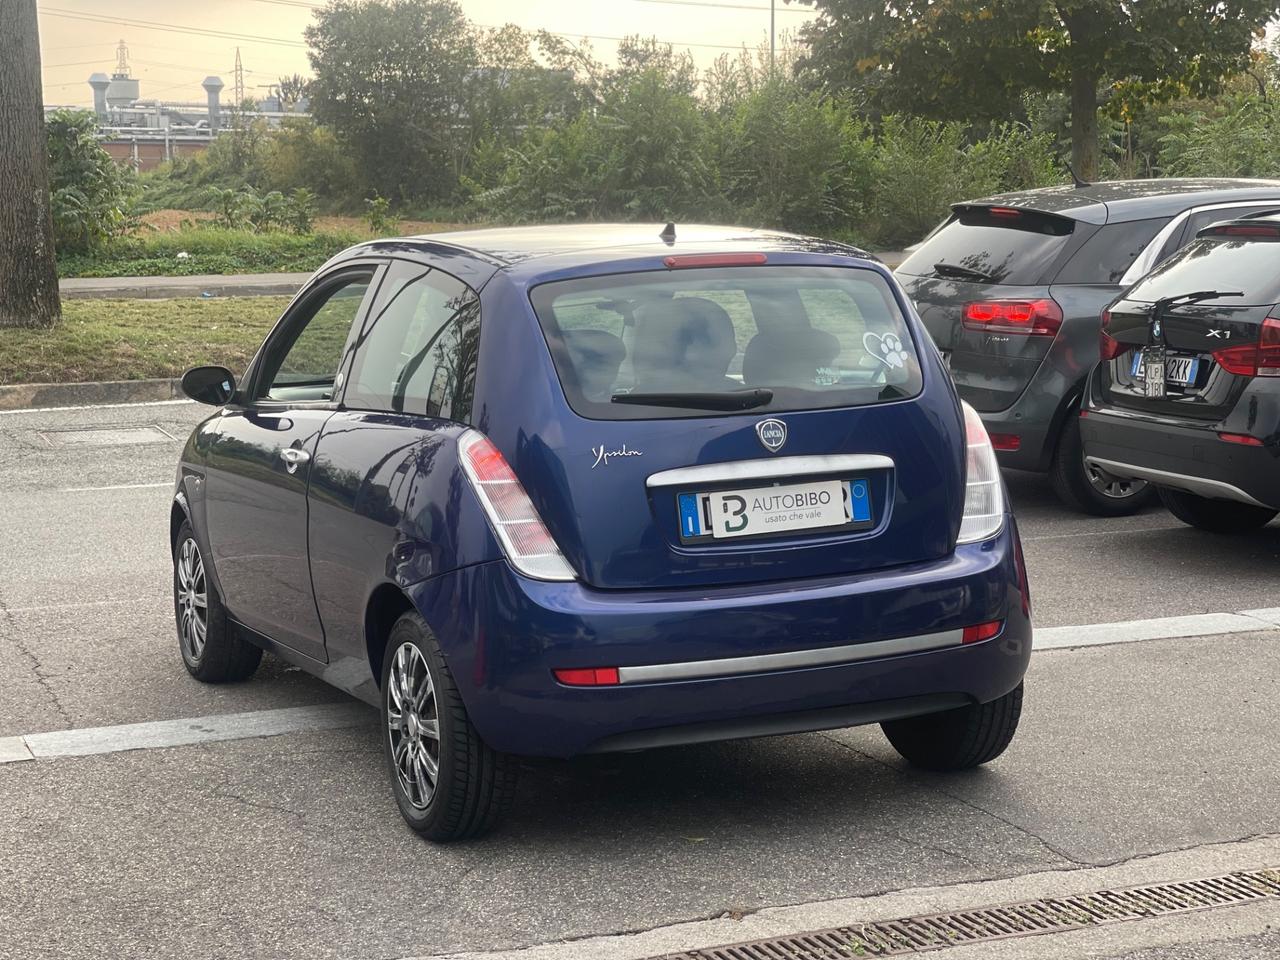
{"points": [[138, 339], [209, 250]]}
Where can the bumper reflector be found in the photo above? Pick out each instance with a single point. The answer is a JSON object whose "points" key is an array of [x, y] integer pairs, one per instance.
{"points": [[982, 631], [1005, 441], [588, 677], [1241, 438]]}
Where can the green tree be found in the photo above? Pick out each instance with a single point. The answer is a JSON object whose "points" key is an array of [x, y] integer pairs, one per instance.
{"points": [[390, 80], [973, 59], [90, 192]]}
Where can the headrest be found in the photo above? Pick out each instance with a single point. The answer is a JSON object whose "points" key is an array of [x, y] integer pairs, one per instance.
{"points": [[683, 343], [796, 357], [596, 356]]}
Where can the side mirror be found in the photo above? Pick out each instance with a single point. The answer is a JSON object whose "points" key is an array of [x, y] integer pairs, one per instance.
{"points": [[211, 385]]}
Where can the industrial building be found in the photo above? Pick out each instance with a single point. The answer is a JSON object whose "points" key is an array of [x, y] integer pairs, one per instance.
{"points": [[146, 133]]}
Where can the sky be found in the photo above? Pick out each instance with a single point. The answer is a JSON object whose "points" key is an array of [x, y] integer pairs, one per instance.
{"points": [[174, 44]]}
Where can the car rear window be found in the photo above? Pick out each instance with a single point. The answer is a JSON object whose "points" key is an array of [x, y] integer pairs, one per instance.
{"points": [[1007, 245], [816, 337], [1251, 267]]}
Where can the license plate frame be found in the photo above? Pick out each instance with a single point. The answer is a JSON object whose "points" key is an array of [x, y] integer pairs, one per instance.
{"points": [[703, 518], [1155, 368]]}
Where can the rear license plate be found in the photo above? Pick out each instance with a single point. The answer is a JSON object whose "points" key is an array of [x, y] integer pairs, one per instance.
{"points": [[1155, 368], [762, 511]]}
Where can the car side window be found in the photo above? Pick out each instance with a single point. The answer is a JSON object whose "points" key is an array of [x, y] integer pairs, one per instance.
{"points": [[418, 354], [1203, 218], [1108, 254], [304, 364]]}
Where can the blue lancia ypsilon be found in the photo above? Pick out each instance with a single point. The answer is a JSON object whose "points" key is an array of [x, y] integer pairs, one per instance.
{"points": [[565, 490]]}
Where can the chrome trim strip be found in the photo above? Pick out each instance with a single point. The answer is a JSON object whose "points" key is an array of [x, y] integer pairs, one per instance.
{"points": [[769, 469], [792, 660], [1202, 486]]}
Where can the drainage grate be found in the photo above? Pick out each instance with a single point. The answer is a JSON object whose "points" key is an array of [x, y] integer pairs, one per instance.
{"points": [[894, 938], [109, 437]]}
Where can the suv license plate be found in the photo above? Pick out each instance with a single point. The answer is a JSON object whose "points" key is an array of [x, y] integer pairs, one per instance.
{"points": [[764, 510], [1155, 368]]}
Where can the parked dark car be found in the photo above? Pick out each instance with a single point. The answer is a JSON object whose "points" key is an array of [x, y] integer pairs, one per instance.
{"points": [[555, 491], [1012, 288], [1187, 396]]}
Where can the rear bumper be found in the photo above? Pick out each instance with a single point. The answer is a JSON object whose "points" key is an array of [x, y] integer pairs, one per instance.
{"points": [[503, 635], [1190, 458]]}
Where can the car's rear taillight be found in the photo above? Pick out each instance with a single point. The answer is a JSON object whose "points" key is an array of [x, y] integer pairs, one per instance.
{"points": [[1031, 318], [1261, 359], [1108, 346], [525, 539], [983, 492]]}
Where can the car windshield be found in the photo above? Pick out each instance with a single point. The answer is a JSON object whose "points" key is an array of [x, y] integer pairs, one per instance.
{"points": [[707, 342]]}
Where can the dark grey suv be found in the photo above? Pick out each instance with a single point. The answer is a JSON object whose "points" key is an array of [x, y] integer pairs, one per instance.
{"points": [[1012, 289]]}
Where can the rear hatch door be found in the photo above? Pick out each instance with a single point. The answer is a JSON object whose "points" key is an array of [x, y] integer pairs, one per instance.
{"points": [[981, 285], [1211, 347], [843, 461]]}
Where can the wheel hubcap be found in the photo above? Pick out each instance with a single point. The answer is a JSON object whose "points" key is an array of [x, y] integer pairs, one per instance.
{"points": [[192, 600], [1111, 486], [413, 726]]}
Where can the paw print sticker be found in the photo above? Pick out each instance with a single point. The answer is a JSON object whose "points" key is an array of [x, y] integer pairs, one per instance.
{"points": [[886, 348]]}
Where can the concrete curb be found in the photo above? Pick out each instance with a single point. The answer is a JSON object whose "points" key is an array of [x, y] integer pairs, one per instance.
{"points": [[159, 288], [23, 396]]}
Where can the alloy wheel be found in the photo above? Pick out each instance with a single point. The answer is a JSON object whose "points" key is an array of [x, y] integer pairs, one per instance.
{"points": [[413, 726], [1111, 486], [192, 599]]}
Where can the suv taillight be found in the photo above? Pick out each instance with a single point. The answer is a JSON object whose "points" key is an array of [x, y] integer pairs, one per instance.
{"points": [[1108, 346], [1261, 359], [1030, 318], [983, 490], [525, 539]]}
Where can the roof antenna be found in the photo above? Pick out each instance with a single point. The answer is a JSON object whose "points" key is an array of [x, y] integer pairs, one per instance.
{"points": [[668, 234], [1075, 177]]}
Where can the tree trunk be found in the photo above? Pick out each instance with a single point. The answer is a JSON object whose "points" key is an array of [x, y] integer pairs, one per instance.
{"points": [[28, 270], [1084, 122]]}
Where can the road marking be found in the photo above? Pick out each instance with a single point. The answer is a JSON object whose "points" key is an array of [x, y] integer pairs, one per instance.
{"points": [[1163, 628], [269, 723], [96, 406], [117, 486], [157, 734], [37, 608]]}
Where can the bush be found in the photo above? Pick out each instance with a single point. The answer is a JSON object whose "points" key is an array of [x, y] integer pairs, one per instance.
{"points": [[1238, 142], [90, 193], [209, 250]]}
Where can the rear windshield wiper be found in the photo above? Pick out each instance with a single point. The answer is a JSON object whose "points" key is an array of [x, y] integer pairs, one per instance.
{"points": [[957, 272], [1186, 299], [724, 400]]}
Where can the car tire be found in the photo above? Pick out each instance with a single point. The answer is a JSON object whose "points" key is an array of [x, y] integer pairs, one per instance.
{"points": [[1089, 489], [210, 649], [957, 739], [1216, 516], [473, 785]]}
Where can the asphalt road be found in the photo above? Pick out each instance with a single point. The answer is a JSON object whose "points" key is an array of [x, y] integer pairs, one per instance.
{"points": [[290, 846]]}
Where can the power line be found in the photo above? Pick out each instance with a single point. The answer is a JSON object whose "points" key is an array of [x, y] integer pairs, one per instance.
{"points": [[168, 27], [723, 6]]}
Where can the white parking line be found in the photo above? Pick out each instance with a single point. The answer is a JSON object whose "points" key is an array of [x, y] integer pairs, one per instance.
{"points": [[96, 406], [1164, 628], [177, 733], [117, 486], [269, 723]]}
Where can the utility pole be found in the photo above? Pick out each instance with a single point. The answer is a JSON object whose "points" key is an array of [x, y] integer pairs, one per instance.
{"points": [[28, 268], [239, 88]]}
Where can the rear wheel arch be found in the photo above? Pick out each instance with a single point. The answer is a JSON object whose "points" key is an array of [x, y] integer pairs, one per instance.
{"points": [[178, 515], [387, 604]]}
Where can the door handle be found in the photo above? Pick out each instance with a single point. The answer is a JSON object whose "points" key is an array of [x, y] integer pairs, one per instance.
{"points": [[292, 456]]}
